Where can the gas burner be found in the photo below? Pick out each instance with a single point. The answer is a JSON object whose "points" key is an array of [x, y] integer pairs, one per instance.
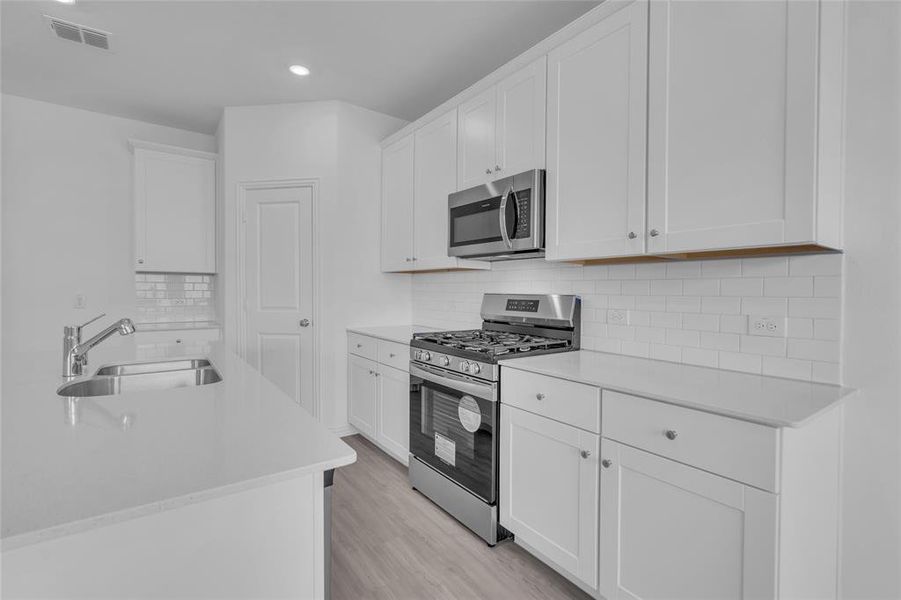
{"points": [[492, 343]]}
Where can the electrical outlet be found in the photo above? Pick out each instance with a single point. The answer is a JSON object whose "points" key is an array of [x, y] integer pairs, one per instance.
{"points": [[617, 316], [767, 326], [81, 301]]}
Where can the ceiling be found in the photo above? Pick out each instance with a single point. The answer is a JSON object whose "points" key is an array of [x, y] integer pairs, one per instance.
{"points": [[179, 62]]}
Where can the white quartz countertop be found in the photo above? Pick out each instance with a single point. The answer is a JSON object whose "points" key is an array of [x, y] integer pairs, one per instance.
{"points": [[771, 401], [68, 466], [393, 333]]}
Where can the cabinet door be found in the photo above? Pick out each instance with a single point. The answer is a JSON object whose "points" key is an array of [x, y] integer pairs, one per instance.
{"points": [[362, 394], [521, 117], [397, 205], [731, 123], [672, 531], [596, 138], [476, 159], [549, 490], [175, 212], [394, 411], [436, 168]]}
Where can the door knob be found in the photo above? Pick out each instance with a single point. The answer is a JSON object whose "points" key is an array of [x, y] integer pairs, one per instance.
{"points": [[304, 322]]}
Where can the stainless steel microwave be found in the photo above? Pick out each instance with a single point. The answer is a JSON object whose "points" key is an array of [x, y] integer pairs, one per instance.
{"points": [[501, 219]]}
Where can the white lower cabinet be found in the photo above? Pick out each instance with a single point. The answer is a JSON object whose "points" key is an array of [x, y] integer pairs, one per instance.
{"points": [[362, 393], [378, 393], [394, 411], [668, 530], [549, 491]]}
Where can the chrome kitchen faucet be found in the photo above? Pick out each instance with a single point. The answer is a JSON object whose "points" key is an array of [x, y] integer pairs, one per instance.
{"points": [[75, 352]]}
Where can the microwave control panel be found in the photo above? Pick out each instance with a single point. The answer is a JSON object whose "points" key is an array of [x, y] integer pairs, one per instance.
{"points": [[523, 215]]}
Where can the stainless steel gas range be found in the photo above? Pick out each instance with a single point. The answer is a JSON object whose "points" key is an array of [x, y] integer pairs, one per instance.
{"points": [[455, 399]]}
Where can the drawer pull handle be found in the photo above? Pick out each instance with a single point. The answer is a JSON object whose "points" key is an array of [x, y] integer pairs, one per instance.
{"points": [[670, 434], [540, 396], [606, 463], [585, 453]]}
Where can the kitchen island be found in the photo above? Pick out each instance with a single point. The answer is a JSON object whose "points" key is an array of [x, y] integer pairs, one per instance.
{"points": [[206, 491]]}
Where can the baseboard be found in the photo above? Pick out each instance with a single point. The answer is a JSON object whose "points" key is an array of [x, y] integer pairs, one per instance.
{"points": [[344, 430]]}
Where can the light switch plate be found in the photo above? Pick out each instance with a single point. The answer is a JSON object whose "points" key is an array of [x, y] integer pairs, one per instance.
{"points": [[81, 301], [766, 326]]}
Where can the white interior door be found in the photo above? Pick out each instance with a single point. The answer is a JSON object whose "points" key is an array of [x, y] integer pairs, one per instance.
{"points": [[278, 269]]}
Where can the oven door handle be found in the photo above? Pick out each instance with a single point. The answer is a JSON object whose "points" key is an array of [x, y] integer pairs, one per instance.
{"points": [[502, 215], [487, 391]]}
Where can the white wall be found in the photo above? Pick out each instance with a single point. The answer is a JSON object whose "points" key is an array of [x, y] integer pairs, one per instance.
{"points": [[67, 223], [338, 144], [871, 354]]}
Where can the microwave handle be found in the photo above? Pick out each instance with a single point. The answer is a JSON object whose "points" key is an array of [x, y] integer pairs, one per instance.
{"points": [[502, 215]]}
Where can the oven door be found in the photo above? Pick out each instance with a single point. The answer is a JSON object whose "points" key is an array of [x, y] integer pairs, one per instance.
{"points": [[453, 427]]}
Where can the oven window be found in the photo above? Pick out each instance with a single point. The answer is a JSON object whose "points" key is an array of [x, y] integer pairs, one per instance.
{"points": [[454, 433], [475, 223]]}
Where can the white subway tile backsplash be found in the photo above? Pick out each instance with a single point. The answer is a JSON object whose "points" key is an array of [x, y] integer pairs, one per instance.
{"points": [[694, 312], [788, 286], [742, 287], [175, 297]]}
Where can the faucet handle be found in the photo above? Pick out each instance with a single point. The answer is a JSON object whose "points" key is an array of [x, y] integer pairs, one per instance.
{"points": [[83, 325]]}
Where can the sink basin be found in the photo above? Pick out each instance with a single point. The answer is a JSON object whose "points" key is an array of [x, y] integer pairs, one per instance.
{"points": [[108, 385], [153, 367]]}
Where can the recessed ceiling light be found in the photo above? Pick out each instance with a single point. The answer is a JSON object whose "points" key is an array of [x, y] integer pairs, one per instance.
{"points": [[66, 1], [299, 70]]}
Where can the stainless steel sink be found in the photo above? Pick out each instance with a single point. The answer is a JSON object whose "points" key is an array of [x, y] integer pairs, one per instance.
{"points": [[119, 379], [153, 367]]}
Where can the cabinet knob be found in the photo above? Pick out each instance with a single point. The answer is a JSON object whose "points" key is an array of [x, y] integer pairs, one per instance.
{"points": [[654, 233], [606, 463], [391, 355], [540, 396], [359, 345], [304, 322], [632, 235], [670, 434], [487, 171], [140, 261], [497, 168], [585, 453]]}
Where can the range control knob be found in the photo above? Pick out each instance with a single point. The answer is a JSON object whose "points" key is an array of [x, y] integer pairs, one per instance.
{"points": [[475, 368], [418, 355], [445, 361], [426, 356], [464, 366]]}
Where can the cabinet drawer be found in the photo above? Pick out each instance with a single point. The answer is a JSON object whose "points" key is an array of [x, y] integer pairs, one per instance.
{"points": [[394, 355], [362, 345], [739, 450], [176, 336], [567, 401]]}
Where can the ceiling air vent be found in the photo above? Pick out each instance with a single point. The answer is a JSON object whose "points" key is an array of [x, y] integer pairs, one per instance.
{"points": [[78, 33]]}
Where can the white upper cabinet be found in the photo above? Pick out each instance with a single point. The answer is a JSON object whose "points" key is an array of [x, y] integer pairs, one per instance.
{"points": [[397, 205], [476, 157], [435, 168], [732, 130], [175, 209], [520, 121], [596, 138], [502, 130]]}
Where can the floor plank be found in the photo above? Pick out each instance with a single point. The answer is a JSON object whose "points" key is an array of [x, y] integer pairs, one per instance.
{"points": [[390, 542]]}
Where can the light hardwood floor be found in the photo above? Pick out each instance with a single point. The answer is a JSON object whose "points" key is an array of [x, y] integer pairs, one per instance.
{"points": [[389, 541]]}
